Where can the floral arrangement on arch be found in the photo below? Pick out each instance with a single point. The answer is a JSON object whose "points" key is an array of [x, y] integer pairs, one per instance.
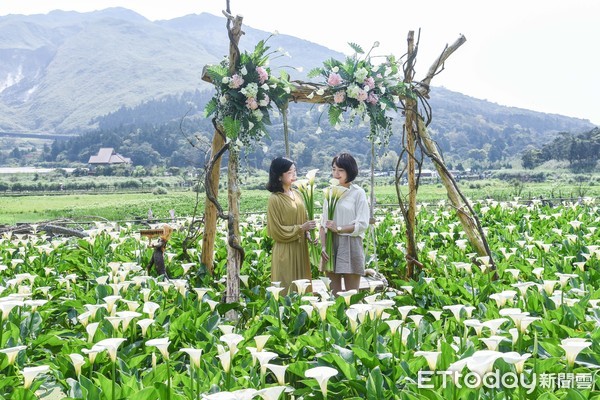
{"points": [[243, 99], [368, 92]]}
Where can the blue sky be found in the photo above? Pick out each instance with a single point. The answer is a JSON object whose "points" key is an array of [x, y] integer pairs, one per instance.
{"points": [[536, 54]]}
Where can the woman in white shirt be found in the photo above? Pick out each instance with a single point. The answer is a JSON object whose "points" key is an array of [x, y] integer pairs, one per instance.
{"points": [[349, 224]]}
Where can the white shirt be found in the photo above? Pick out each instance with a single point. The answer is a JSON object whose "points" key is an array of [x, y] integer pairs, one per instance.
{"points": [[351, 209]]}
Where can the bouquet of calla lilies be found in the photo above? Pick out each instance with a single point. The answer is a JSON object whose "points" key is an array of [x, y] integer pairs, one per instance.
{"points": [[332, 194], [306, 187]]}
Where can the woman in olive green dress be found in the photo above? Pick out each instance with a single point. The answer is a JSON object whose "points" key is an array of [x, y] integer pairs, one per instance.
{"points": [[288, 226]]}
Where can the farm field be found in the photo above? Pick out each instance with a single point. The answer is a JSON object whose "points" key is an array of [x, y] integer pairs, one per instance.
{"points": [[82, 317], [128, 205]]}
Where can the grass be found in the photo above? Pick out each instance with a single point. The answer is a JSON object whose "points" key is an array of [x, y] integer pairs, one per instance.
{"points": [[132, 206], [113, 207]]}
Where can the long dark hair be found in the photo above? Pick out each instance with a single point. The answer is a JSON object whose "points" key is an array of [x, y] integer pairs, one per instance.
{"points": [[279, 166]]}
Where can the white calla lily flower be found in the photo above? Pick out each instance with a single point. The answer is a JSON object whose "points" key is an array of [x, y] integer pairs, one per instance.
{"points": [[111, 345], [12, 353], [195, 355], [78, 361], [322, 376], [162, 344], [30, 373], [573, 347], [431, 357]]}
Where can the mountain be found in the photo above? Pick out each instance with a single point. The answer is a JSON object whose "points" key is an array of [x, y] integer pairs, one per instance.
{"points": [[60, 71], [69, 73]]}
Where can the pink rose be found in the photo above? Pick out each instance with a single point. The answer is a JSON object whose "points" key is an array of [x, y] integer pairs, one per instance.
{"points": [[339, 97], [251, 103], [373, 98], [362, 95], [236, 81], [370, 82], [265, 101], [334, 79], [262, 75]]}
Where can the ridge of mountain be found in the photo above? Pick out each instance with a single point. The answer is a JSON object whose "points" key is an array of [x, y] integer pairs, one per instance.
{"points": [[61, 71]]}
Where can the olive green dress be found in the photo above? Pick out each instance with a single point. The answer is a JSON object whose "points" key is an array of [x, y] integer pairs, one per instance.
{"points": [[290, 259]]}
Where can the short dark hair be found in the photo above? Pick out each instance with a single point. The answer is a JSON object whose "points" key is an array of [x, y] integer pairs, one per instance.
{"points": [[279, 166], [346, 162]]}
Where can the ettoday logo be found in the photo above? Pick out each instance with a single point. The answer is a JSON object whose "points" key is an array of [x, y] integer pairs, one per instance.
{"points": [[507, 380]]}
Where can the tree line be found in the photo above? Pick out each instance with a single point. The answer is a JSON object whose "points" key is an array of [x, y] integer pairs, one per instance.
{"points": [[172, 132], [581, 151]]}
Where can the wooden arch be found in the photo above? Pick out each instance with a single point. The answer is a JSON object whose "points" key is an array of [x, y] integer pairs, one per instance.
{"points": [[415, 136]]}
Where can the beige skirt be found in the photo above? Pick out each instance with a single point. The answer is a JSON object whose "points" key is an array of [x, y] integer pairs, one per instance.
{"points": [[348, 253]]}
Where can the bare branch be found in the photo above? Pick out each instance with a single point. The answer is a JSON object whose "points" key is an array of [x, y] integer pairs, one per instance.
{"points": [[423, 87]]}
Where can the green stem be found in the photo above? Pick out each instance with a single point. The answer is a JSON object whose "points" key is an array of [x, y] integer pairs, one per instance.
{"points": [[276, 310], [329, 249], [114, 378], [30, 323], [472, 289], [375, 326], [192, 379], [324, 335], [198, 382], [395, 344], [400, 344], [168, 380]]}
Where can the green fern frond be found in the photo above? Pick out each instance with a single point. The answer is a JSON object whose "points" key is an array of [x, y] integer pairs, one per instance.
{"points": [[356, 48], [210, 108], [284, 76], [334, 115], [313, 73], [217, 73], [231, 127]]}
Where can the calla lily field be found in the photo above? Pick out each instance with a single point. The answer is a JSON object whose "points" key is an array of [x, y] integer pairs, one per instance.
{"points": [[82, 318]]}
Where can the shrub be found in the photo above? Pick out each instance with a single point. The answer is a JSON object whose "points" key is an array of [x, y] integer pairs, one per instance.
{"points": [[159, 190]]}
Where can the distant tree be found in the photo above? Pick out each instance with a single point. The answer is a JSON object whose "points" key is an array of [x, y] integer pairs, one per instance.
{"points": [[80, 172], [15, 153], [174, 171], [477, 154], [138, 171], [496, 151], [388, 161], [531, 158], [143, 154]]}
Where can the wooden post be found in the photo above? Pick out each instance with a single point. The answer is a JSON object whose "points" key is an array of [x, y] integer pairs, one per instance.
{"points": [[410, 145], [466, 215], [234, 251], [210, 210], [286, 139]]}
